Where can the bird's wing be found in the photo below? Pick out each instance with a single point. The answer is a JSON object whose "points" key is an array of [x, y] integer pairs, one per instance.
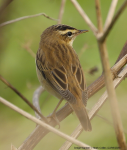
{"points": [[58, 78]]}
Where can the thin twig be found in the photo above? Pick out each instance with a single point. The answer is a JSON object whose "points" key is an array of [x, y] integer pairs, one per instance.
{"points": [[48, 127], [26, 17], [85, 17], [94, 110], [26, 46], [61, 11], [110, 13], [99, 18], [18, 93], [115, 18], [36, 96], [122, 53]]}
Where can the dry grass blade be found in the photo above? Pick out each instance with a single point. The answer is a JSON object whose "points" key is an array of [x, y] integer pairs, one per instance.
{"points": [[48, 127], [26, 17], [18, 93], [61, 11], [85, 17], [94, 110], [110, 13]]}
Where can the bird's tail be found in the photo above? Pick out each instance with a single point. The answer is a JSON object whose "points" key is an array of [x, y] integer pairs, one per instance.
{"points": [[82, 115]]}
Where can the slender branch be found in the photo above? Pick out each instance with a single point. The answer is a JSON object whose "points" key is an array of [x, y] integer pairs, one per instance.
{"points": [[48, 127], [109, 27], [122, 53], [61, 11], [99, 18], [85, 17], [26, 46], [18, 93], [94, 110], [110, 13], [112, 97], [26, 17], [36, 96]]}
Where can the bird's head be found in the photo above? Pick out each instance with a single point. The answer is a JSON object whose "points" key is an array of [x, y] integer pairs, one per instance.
{"points": [[61, 33]]}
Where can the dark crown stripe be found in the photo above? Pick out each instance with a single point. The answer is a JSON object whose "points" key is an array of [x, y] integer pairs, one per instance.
{"points": [[63, 27]]}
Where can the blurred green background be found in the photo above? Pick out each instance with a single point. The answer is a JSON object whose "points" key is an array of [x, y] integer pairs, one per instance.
{"points": [[18, 67]]}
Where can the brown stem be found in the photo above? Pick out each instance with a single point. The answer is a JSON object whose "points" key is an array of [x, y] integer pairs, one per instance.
{"points": [[99, 18], [61, 11]]}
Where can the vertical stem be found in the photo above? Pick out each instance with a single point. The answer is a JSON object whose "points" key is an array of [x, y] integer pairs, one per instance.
{"points": [[99, 18], [109, 85], [112, 96], [85, 17], [61, 11], [110, 13]]}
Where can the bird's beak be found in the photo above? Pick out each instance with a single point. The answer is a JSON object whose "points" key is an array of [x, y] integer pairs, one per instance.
{"points": [[81, 31]]}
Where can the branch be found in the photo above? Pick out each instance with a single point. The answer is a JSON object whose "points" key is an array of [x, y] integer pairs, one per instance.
{"points": [[112, 97], [109, 27], [99, 18], [20, 95], [61, 11], [94, 110], [110, 13], [36, 96], [85, 17], [26, 17], [26, 46], [39, 122], [122, 53]]}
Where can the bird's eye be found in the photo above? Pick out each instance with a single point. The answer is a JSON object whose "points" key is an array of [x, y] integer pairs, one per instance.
{"points": [[69, 33]]}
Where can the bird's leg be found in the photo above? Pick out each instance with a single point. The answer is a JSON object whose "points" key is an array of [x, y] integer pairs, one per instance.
{"points": [[53, 115]]}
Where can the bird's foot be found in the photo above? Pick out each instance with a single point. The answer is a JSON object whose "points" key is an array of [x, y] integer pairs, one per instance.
{"points": [[53, 115]]}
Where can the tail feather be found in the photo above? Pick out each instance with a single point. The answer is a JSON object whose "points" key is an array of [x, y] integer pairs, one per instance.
{"points": [[82, 115]]}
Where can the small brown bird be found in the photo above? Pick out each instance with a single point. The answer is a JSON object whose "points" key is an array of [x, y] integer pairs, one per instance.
{"points": [[59, 69]]}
